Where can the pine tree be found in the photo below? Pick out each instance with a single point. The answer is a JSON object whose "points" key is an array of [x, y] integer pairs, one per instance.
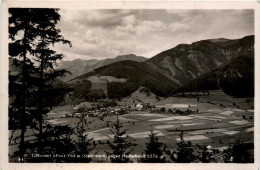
{"points": [[184, 152], [120, 146], [46, 58], [22, 34], [83, 144], [153, 152], [32, 31]]}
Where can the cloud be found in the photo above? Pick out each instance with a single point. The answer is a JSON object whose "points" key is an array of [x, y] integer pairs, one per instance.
{"points": [[129, 20], [108, 33], [175, 27], [150, 26]]}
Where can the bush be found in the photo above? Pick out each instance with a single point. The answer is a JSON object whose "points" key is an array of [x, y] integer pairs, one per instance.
{"points": [[81, 110], [162, 109]]}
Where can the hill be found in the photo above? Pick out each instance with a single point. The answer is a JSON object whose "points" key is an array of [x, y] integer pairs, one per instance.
{"points": [[136, 74]]}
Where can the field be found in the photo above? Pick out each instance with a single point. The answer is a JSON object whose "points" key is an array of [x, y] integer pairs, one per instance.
{"points": [[217, 121]]}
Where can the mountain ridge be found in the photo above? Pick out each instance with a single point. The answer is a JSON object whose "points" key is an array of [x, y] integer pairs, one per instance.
{"points": [[188, 61], [78, 66]]}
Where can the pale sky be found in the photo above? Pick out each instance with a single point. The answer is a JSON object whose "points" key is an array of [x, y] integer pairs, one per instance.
{"points": [[99, 34]]}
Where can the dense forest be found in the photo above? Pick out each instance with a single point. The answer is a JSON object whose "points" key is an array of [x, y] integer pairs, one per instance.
{"points": [[236, 78]]}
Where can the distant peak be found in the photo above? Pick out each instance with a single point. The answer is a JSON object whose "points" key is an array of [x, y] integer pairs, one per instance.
{"points": [[126, 55], [219, 40], [129, 56], [78, 59], [182, 45]]}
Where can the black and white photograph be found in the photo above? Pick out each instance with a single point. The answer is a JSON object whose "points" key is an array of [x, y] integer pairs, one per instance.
{"points": [[132, 85]]}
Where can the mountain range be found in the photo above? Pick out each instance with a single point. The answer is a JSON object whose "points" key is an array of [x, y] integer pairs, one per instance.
{"points": [[78, 67], [206, 64], [203, 65]]}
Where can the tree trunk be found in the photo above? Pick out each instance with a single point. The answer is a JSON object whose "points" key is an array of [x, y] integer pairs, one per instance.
{"points": [[40, 107], [41, 95], [23, 114]]}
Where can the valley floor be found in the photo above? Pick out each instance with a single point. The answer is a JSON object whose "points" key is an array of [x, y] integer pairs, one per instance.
{"points": [[217, 122]]}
